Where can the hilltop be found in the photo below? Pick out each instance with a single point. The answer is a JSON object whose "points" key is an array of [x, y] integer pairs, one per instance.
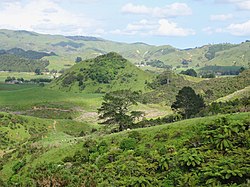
{"points": [[68, 48], [104, 73]]}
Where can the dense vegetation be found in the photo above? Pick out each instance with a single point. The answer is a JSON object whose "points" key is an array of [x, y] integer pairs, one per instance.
{"points": [[106, 122], [26, 54], [10, 62], [221, 70], [198, 152], [158, 64], [167, 85], [189, 72]]}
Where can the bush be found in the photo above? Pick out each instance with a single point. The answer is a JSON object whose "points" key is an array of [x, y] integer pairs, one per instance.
{"points": [[135, 135], [128, 144]]}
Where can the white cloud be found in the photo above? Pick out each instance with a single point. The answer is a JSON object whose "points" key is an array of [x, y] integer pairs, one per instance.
{"points": [[168, 28], [221, 17], [43, 16], [210, 30], [239, 29], [163, 27], [171, 10], [240, 4]]}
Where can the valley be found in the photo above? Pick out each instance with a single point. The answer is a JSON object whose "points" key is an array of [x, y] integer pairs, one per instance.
{"points": [[85, 111]]}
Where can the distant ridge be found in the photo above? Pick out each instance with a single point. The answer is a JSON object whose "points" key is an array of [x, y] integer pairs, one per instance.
{"points": [[68, 48]]}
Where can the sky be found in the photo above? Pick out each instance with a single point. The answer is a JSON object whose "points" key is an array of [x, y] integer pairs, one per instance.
{"points": [[182, 24]]}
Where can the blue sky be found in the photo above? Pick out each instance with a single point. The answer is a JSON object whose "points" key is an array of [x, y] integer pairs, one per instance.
{"points": [[182, 23]]}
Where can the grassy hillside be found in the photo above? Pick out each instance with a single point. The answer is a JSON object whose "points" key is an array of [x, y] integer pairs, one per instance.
{"points": [[166, 86], [236, 95], [102, 74], [182, 153], [68, 48]]}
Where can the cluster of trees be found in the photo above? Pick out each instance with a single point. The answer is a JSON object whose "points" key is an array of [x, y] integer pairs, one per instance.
{"points": [[190, 72], [221, 70], [158, 64], [26, 54], [103, 69], [115, 108], [21, 80], [10, 62]]}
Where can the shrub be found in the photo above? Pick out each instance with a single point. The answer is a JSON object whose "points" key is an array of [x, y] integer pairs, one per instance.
{"points": [[128, 143]]}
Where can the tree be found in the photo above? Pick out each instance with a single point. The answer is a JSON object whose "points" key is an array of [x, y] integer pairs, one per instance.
{"points": [[187, 102], [115, 108], [38, 71], [190, 72], [78, 59]]}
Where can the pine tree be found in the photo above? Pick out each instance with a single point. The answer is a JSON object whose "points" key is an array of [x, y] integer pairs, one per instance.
{"points": [[187, 102]]}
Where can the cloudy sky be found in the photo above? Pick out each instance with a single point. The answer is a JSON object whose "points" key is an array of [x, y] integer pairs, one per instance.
{"points": [[182, 24]]}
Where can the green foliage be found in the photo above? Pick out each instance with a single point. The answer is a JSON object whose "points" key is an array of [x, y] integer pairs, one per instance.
{"points": [[128, 144], [167, 85], [187, 102], [158, 64], [231, 106], [208, 75], [9, 62], [27, 54], [123, 160], [102, 74], [78, 59], [105, 68], [18, 166], [220, 70], [190, 72], [115, 108]]}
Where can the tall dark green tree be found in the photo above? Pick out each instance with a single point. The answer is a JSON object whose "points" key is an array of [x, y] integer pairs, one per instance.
{"points": [[115, 108], [187, 102]]}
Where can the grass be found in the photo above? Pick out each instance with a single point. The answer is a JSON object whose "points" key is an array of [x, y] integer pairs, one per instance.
{"points": [[134, 52], [236, 95], [28, 96], [24, 75], [192, 79]]}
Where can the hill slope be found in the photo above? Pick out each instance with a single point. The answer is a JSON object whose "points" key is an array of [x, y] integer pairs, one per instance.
{"points": [[68, 48], [104, 73], [193, 152], [166, 86]]}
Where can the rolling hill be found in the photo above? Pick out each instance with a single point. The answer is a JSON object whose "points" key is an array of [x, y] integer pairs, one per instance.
{"points": [[193, 152], [104, 73], [166, 86], [68, 48]]}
